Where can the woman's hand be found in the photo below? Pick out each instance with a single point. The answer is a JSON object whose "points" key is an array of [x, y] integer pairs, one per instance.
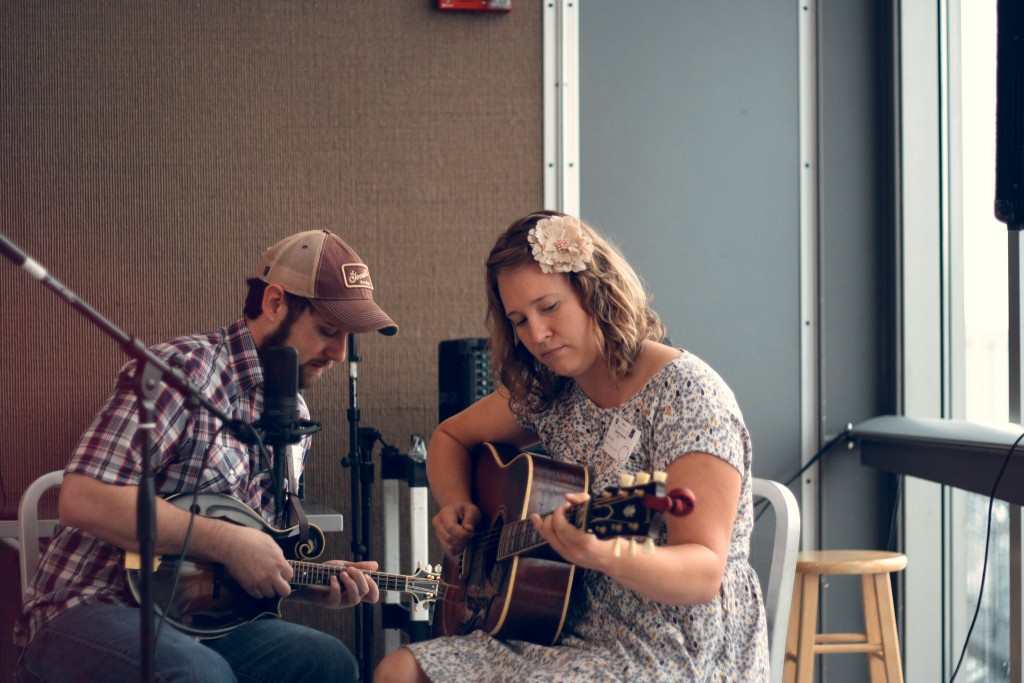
{"points": [[574, 545], [455, 524]]}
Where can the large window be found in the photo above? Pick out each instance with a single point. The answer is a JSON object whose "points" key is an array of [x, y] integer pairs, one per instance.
{"points": [[986, 357]]}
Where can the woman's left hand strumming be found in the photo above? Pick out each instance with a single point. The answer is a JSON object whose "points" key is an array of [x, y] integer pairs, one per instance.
{"points": [[574, 545]]}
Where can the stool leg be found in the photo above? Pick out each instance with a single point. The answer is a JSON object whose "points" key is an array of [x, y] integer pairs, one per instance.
{"points": [[887, 622], [872, 627], [793, 632], [808, 629]]}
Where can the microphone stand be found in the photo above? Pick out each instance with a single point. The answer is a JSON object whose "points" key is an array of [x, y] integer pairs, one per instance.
{"points": [[360, 459], [368, 437], [150, 370], [360, 550]]}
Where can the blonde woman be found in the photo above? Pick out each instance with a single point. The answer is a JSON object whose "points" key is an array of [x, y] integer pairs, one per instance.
{"points": [[584, 373]]}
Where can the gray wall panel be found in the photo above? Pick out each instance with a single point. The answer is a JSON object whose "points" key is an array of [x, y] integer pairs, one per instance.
{"points": [[689, 141]]}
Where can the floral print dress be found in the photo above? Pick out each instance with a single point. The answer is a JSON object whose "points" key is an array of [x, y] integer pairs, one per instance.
{"points": [[611, 633]]}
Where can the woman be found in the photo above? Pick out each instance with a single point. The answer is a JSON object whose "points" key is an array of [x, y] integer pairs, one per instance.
{"points": [[583, 371]]}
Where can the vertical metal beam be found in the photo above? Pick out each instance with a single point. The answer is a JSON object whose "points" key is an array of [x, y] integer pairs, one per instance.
{"points": [[1016, 522], [810, 291], [562, 106], [922, 319]]}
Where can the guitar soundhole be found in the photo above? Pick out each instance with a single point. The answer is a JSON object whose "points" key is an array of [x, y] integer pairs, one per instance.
{"points": [[490, 549], [483, 577]]}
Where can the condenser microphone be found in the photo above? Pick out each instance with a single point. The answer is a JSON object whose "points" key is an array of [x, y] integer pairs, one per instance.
{"points": [[279, 422], [280, 395], [280, 409]]}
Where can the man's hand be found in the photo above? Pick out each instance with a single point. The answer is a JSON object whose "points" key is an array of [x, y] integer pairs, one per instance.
{"points": [[254, 559], [348, 588]]}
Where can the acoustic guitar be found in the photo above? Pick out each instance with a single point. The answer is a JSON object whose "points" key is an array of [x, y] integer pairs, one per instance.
{"points": [[203, 600], [508, 581]]}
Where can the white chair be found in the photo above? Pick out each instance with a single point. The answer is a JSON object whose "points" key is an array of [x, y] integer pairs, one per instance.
{"points": [[778, 595], [30, 530]]}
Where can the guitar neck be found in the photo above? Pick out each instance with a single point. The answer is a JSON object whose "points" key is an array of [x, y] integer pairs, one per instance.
{"points": [[519, 537]]}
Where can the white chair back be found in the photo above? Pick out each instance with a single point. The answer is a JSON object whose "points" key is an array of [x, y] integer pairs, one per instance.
{"points": [[30, 530], [778, 595]]}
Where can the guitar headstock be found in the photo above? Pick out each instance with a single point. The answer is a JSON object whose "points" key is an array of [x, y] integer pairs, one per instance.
{"points": [[634, 507]]}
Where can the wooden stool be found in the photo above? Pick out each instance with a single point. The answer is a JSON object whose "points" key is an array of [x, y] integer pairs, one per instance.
{"points": [[879, 642]]}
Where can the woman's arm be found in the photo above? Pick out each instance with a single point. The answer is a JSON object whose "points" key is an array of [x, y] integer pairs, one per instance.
{"points": [[450, 466]]}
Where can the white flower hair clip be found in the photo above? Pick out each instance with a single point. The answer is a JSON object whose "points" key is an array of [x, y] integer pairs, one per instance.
{"points": [[560, 245]]}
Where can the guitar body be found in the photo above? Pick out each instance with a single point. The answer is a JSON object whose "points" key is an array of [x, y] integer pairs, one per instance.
{"points": [[525, 596], [207, 602]]}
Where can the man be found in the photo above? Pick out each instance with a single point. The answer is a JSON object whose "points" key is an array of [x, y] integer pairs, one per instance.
{"points": [[81, 622]]}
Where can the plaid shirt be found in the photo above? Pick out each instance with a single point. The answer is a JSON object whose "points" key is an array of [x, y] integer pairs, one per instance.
{"points": [[78, 568]]}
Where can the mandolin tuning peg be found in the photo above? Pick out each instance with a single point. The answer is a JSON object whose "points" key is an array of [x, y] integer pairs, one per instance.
{"points": [[626, 480], [616, 549], [660, 477], [632, 547], [642, 478], [649, 546]]}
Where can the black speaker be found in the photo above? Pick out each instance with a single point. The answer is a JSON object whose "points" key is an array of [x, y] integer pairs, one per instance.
{"points": [[463, 374], [1009, 202]]}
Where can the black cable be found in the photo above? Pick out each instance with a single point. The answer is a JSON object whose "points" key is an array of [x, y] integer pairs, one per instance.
{"points": [[178, 362], [984, 565], [817, 456], [821, 451], [188, 534], [891, 543]]}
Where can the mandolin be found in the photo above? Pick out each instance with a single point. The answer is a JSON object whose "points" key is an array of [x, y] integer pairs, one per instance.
{"points": [[200, 598]]}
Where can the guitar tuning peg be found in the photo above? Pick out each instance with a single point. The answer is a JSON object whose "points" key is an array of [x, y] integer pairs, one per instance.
{"points": [[649, 546], [626, 479], [660, 477], [616, 549], [642, 478], [632, 547]]}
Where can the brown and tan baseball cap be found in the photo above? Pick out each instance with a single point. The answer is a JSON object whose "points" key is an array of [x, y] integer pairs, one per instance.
{"points": [[319, 266]]}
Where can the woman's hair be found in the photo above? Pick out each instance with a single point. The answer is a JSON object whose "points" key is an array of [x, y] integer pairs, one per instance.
{"points": [[610, 293]]}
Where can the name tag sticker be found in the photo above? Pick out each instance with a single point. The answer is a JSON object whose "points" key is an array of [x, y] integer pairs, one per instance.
{"points": [[620, 440]]}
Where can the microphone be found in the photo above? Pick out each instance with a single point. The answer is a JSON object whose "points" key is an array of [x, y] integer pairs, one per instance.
{"points": [[280, 394], [279, 422]]}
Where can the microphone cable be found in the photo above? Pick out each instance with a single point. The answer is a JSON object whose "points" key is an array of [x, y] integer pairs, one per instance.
{"points": [[984, 561], [845, 434], [188, 535]]}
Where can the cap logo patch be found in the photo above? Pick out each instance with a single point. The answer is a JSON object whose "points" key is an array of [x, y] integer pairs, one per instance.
{"points": [[357, 275]]}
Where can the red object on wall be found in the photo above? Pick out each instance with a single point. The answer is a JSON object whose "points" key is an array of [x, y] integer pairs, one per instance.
{"points": [[475, 5]]}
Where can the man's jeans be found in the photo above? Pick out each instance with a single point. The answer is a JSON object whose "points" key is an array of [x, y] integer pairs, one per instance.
{"points": [[102, 643]]}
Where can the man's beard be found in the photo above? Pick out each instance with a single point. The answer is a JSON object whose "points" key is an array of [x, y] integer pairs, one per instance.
{"points": [[279, 337]]}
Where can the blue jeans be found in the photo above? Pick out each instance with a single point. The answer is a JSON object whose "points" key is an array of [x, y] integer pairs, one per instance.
{"points": [[102, 643]]}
